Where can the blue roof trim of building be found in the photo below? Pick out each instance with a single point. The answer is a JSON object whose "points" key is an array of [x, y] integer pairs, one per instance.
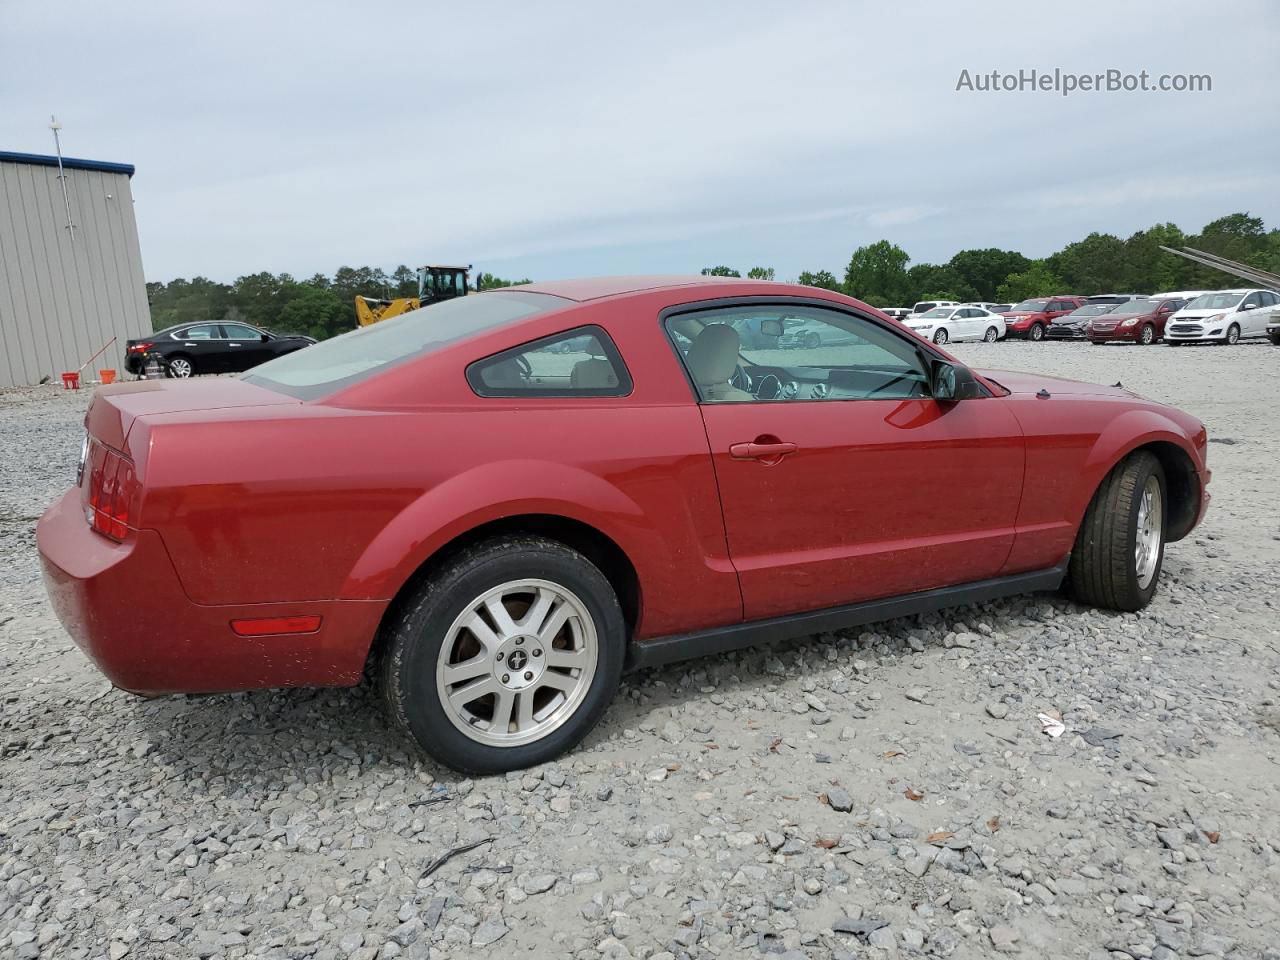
{"points": [[70, 163]]}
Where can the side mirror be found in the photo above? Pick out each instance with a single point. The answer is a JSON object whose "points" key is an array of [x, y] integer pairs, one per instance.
{"points": [[951, 383], [265, 337]]}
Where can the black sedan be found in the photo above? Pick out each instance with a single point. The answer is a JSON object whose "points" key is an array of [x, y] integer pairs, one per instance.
{"points": [[192, 348]]}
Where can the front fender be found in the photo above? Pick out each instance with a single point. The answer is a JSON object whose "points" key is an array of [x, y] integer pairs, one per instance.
{"points": [[1123, 435], [492, 492]]}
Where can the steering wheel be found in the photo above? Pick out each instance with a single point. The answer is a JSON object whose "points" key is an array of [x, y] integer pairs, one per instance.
{"points": [[769, 388], [741, 379], [526, 368]]}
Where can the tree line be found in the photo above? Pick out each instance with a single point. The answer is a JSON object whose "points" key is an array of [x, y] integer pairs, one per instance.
{"points": [[319, 306], [879, 273]]}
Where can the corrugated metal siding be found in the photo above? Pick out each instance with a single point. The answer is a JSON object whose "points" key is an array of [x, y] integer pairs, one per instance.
{"points": [[61, 298]]}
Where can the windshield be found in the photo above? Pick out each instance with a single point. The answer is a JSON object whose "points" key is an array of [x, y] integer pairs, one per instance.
{"points": [[1214, 301], [1030, 306], [330, 365], [1090, 310], [939, 313], [1140, 305]]}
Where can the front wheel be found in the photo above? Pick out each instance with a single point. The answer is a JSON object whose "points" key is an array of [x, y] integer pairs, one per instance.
{"points": [[1036, 332], [506, 656], [1233, 335], [1148, 336], [941, 336], [1120, 547], [992, 335]]}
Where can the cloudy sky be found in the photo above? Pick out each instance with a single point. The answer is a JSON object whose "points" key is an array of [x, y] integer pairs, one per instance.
{"points": [[567, 139]]}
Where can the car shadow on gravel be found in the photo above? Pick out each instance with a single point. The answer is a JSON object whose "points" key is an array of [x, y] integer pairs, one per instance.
{"points": [[283, 732]]}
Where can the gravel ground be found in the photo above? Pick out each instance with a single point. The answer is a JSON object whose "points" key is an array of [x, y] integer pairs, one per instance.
{"points": [[885, 792]]}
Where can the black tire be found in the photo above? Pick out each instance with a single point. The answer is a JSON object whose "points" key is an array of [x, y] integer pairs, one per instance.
{"points": [[1176, 343], [407, 672], [941, 336], [1103, 569], [1233, 335], [1098, 343], [1036, 332]]}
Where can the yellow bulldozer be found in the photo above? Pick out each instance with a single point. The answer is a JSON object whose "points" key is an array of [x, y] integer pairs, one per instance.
{"points": [[435, 283]]}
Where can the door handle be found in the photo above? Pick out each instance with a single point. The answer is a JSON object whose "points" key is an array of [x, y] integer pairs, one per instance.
{"points": [[767, 452]]}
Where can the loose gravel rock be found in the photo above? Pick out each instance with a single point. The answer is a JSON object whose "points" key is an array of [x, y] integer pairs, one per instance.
{"points": [[715, 812]]}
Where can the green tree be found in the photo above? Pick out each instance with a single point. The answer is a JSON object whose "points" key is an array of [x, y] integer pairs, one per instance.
{"points": [[1036, 281], [982, 271], [1148, 269], [1095, 264], [760, 273], [315, 312], [487, 281], [931, 281], [720, 272], [822, 278], [877, 273]]}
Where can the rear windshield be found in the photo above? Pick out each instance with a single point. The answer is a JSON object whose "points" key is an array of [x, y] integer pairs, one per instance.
{"points": [[334, 364]]}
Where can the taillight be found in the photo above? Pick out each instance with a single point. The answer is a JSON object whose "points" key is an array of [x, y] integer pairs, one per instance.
{"points": [[140, 347], [112, 488]]}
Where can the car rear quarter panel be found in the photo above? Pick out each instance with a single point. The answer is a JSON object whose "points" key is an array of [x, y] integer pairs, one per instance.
{"points": [[1073, 441]]}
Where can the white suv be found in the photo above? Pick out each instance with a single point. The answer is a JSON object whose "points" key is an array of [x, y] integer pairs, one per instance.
{"points": [[1226, 316]]}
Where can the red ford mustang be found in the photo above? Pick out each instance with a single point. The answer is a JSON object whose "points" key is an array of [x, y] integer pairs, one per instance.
{"points": [[504, 499]]}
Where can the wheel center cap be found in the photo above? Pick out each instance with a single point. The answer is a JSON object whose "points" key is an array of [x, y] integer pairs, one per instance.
{"points": [[519, 663]]}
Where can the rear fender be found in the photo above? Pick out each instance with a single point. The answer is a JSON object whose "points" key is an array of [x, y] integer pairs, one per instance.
{"points": [[492, 492]]}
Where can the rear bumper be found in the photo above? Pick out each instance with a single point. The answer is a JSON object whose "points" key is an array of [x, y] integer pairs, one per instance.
{"points": [[123, 606]]}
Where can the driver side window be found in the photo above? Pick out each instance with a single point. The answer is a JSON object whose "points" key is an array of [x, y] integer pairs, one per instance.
{"points": [[790, 353]]}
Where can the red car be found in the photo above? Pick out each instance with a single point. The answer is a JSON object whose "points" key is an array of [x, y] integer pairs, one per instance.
{"points": [[1031, 318], [1136, 321], [506, 498]]}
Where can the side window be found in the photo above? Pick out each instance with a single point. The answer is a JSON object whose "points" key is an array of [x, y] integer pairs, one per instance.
{"points": [[1251, 302], [1269, 299], [576, 363], [238, 331], [791, 353], [205, 331]]}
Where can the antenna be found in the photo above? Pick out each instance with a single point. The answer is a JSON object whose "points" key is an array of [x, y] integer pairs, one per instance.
{"points": [[55, 126]]}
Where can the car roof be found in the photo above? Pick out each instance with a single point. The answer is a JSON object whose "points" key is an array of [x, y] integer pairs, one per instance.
{"points": [[595, 288]]}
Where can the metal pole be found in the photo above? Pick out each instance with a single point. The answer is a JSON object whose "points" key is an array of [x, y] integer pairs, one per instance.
{"points": [[55, 126]]}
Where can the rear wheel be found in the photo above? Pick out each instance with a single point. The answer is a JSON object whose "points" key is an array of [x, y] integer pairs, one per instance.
{"points": [[1148, 335], [1233, 334], [992, 335], [1120, 547], [180, 366], [505, 657], [1036, 332], [941, 336]]}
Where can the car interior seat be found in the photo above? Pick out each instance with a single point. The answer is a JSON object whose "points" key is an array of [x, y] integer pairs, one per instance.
{"points": [[712, 358]]}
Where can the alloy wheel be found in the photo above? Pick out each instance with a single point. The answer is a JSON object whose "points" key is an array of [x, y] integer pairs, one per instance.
{"points": [[992, 335], [1148, 336], [1150, 532], [1037, 332], [517, 662], [941, 336], [180, 367], [1233, 335]]}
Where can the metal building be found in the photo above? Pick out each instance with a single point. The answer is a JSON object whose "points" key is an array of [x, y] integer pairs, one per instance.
{"points": [[70, 267]]}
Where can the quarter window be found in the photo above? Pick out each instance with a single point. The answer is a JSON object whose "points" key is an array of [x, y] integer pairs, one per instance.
{"points": [[583, 362], [788, 353]]}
